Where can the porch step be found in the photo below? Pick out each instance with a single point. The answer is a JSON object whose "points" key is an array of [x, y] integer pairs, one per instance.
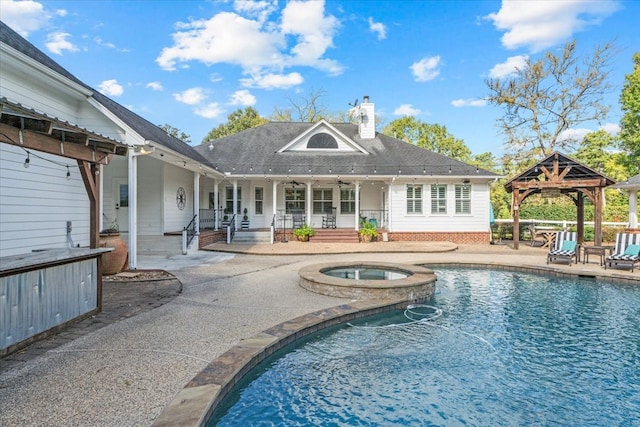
{"points": [[335, 235], [244, 237]]}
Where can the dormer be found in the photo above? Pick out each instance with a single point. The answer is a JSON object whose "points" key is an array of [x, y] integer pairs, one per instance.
{"points": [[322, 137]]}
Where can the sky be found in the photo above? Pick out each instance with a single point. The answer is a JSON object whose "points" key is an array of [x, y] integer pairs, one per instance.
{"points": [[191, 63]]}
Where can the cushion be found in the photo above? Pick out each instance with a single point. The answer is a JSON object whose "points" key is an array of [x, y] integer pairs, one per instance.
{"points": [[632, 250], [569, 245]]}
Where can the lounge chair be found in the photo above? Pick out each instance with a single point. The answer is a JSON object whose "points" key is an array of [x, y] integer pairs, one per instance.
{"points": [[329, 221], [535, 236], [626, 252], [565, 247]]}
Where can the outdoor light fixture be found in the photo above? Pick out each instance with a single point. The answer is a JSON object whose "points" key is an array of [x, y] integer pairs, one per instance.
{"points": [[68, 173], [26, 161], [449, 168], [210, 145]]}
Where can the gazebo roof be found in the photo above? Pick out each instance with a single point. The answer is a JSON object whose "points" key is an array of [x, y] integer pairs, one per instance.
{"points": [[558, 172]]}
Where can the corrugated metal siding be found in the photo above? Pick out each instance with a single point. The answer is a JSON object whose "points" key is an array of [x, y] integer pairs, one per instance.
{"points": [[39, 300]]}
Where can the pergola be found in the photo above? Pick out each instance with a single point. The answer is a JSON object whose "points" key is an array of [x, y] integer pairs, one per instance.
{"points": [[33, 130], [559, 175]]}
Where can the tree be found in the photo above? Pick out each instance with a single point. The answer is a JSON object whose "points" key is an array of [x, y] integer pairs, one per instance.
{"points": [[176, 133], [551, 95], [630, 122], [236, 122], [306, 108], [433, 137]]}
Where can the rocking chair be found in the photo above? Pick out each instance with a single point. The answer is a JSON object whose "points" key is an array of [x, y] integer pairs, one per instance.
{"points": [[329, 221]]}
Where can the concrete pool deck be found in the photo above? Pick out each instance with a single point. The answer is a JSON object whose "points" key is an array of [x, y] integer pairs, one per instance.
{"points": [[127, 372]]}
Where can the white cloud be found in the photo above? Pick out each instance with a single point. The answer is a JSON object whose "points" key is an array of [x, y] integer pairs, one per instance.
{"points": [[470, 102], [300, 36], [61, 12], [406, 110], [111, 88], [611, 128], [509, 67], [209, 111], [157, 86], [57, 43], [242, 97], [273, 81], [378, 28], [539, 24], [426, 69], [256, 8], [192, 96], [23, 16]]}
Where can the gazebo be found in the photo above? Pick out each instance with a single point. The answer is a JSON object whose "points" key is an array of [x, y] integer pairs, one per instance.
{"points": [[632, 185], [558, 175]]}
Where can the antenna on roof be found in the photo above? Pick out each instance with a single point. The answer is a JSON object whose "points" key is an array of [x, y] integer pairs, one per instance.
{"points": [[355, 103]]}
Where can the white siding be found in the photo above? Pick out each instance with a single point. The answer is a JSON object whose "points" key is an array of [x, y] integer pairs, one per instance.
{"points": [[478, 220], [150, 208], [37, 202], [174, 218]]}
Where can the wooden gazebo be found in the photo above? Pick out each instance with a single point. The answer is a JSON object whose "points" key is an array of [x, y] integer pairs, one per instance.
{"points": [[559, 175]]}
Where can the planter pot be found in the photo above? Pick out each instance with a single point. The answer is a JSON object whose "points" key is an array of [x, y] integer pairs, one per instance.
{"points": [[366, 238], [303, 238], [115, 261], [244, 225]]}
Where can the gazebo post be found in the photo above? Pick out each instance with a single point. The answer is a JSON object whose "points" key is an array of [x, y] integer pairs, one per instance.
{"points": [[580, 216], [516, 219], [597, 220]]}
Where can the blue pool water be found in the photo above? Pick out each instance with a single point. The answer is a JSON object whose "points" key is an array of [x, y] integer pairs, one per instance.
{"points": [[492, 349]]}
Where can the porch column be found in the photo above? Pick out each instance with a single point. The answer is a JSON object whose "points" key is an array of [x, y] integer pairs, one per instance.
{"points": [[308, 207], [132, 163], [216, 213], [274, 198], [235, 202], [357, 196], [516, 218], [196, 200], [633, 208]]}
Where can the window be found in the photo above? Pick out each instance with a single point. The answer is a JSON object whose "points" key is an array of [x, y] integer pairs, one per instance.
{"points": [[322, 140], [347, 200], [229, 201], [463, 199], [322, 200], [259, 200], [294, 199], [414, 199], [438, 199], [124, 196]]}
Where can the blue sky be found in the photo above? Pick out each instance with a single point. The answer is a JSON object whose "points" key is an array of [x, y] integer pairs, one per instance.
{"points": [[191, 63]]}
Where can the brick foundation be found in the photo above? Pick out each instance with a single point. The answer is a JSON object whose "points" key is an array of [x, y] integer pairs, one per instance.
{"points": [[465, 238], [208, 237]]}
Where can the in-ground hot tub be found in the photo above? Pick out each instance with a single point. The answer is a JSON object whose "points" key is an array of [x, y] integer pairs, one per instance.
{"points": [[369, 280]]}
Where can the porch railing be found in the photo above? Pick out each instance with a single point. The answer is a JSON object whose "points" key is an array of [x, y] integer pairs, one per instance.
{"points": [[380, 217], [208, 219], [231, 228], [188, 233]]}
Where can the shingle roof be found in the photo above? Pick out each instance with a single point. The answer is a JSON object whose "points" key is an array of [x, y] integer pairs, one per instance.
{"points": [[255, 152], [631, 183], [143, 127]]}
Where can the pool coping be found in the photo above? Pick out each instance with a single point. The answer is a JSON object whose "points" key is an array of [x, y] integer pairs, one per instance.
{"points": [[197, 401]]}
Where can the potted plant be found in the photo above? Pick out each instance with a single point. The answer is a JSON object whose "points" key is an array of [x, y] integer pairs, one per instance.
{"points": [[304, 233], [245, 220], [368, 231]]}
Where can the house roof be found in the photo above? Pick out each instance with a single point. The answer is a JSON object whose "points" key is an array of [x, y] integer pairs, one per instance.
{"points": [[257, 151], [632, 183], [141, 126]]}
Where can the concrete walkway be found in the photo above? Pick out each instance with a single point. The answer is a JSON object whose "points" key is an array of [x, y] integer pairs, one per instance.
{"points": [[125, 372]]}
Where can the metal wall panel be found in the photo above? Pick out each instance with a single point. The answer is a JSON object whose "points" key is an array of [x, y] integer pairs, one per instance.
{"points": [[39, 300]]}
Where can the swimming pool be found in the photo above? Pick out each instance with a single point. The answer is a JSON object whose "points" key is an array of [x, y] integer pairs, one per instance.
{"points": [[495, 348]]}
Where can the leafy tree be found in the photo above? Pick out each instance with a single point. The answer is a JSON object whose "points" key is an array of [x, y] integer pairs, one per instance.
{"points": [[236, 122], [433, 137], [597, 151], [551, 95], [176, 133], [630, 123]]}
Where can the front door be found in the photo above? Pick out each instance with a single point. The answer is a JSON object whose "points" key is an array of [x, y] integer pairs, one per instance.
{"points": [[122, 206]]}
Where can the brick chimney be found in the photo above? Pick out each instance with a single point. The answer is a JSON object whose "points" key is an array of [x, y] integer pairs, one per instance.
{"points": [[367, 126]]}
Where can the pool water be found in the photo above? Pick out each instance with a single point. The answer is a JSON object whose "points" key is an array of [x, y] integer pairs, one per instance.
{"points": [[492, 348], [365, 273]]}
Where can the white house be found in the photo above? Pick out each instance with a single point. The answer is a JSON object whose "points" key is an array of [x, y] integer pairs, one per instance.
{"points": [[162, 184]]}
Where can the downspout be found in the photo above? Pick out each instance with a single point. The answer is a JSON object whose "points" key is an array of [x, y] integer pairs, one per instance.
{"points": [[357, 214], [216, 206], [308, 203]]}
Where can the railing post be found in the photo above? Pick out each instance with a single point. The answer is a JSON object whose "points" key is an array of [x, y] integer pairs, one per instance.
{"points": [[184, 241]]}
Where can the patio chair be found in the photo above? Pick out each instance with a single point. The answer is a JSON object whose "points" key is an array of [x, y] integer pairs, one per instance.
{"points": [[565, 247], [535, 236], [626, 252], [298, 218], [329, 221]]}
